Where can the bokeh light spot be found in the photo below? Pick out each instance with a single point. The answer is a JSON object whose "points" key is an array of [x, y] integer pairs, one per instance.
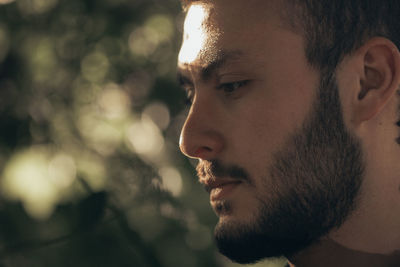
{"points": [[95, 67], [163, 25], [114, 102], [105, 138], [171, 180], [26, 179], [144, 40], [3, 2], [159, 114], [62, 170], [145, 137], [36, 6], [39, 51], [91, 168]]}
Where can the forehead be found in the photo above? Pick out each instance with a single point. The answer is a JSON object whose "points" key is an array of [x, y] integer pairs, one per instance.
{"points": [[227, 25]]}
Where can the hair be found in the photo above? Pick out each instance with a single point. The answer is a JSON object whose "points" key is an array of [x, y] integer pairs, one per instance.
{"points": [[335, 28]]}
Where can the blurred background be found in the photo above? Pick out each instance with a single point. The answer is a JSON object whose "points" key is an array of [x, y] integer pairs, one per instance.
{"points": [[90, 115]]}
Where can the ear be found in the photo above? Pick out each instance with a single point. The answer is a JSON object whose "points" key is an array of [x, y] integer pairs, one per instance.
{"points": [[378, 69]]}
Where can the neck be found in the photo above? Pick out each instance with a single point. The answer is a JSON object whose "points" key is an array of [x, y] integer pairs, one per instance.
{"points": [[327, 253]]}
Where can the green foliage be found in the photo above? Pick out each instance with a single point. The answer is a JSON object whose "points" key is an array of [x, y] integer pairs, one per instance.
{"points": [[90, 115]]}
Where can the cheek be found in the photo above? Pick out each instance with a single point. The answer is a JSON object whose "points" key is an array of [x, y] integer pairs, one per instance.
{"points": [[256, 136], [267, 126], [263, 128]]}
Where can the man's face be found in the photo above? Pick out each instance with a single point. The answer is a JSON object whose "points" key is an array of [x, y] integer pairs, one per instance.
{"points": [[270, 143]]}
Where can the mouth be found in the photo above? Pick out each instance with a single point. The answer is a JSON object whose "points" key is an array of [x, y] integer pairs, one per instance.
{"points": [[220, 188]]}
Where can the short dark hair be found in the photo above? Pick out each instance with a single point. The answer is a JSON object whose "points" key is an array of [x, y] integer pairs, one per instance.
{"points": [[335, 28]]}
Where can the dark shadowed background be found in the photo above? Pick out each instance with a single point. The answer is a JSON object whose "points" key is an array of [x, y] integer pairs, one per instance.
{"points": [[90, 114]]}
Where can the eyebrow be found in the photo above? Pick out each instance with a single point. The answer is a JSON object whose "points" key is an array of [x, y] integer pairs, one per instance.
{"points": [[212, 66]]}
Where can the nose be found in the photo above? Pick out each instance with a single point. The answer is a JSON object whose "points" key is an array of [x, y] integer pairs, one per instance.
{"points": [[201, 135]]}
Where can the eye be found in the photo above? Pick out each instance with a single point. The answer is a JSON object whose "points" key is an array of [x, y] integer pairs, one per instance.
{"points": [[229, 88], [189, 95]]}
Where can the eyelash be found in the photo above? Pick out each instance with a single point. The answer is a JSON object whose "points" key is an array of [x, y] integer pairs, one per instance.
{"points": [[189, 96], [228, 89]]}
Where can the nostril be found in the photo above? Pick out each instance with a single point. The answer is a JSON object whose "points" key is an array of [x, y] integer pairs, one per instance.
{"points": [[202, 150], [209, 147]]}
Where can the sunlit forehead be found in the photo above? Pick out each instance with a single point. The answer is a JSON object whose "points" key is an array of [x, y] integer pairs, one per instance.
{"points": [[194, 37]]}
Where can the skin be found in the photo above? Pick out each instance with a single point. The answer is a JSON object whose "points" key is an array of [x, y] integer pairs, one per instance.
{"points": [[229, 125], [215, 113]]}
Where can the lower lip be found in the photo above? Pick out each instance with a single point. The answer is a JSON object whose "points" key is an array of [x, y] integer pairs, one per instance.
{"points": [[222, 191]]}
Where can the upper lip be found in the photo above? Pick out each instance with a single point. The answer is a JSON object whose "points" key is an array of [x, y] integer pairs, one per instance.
{"points": [[210, 184]]}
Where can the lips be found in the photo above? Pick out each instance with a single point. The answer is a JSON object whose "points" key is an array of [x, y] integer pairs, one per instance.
{"points": [[220, 188]]}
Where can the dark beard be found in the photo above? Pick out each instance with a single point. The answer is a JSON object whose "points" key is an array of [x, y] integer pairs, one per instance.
{"points": [[314, 181]]}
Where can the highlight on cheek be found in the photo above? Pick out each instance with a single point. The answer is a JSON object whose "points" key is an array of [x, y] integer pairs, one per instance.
{"points": [[194, 34]]}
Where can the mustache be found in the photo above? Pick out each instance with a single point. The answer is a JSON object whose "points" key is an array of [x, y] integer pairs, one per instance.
{"points": [[212, 169]]}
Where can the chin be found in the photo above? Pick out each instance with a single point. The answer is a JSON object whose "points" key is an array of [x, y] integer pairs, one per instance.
{"points": [[240, 243]]}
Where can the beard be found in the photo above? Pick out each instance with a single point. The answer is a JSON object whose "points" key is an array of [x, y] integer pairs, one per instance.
{"points": [[312, 186]]}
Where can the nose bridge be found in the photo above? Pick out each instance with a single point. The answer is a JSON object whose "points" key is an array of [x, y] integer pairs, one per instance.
{"points": [[201, 136]]}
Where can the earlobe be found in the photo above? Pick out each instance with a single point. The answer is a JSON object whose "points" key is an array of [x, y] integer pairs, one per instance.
{"points": [[379, 78]]}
